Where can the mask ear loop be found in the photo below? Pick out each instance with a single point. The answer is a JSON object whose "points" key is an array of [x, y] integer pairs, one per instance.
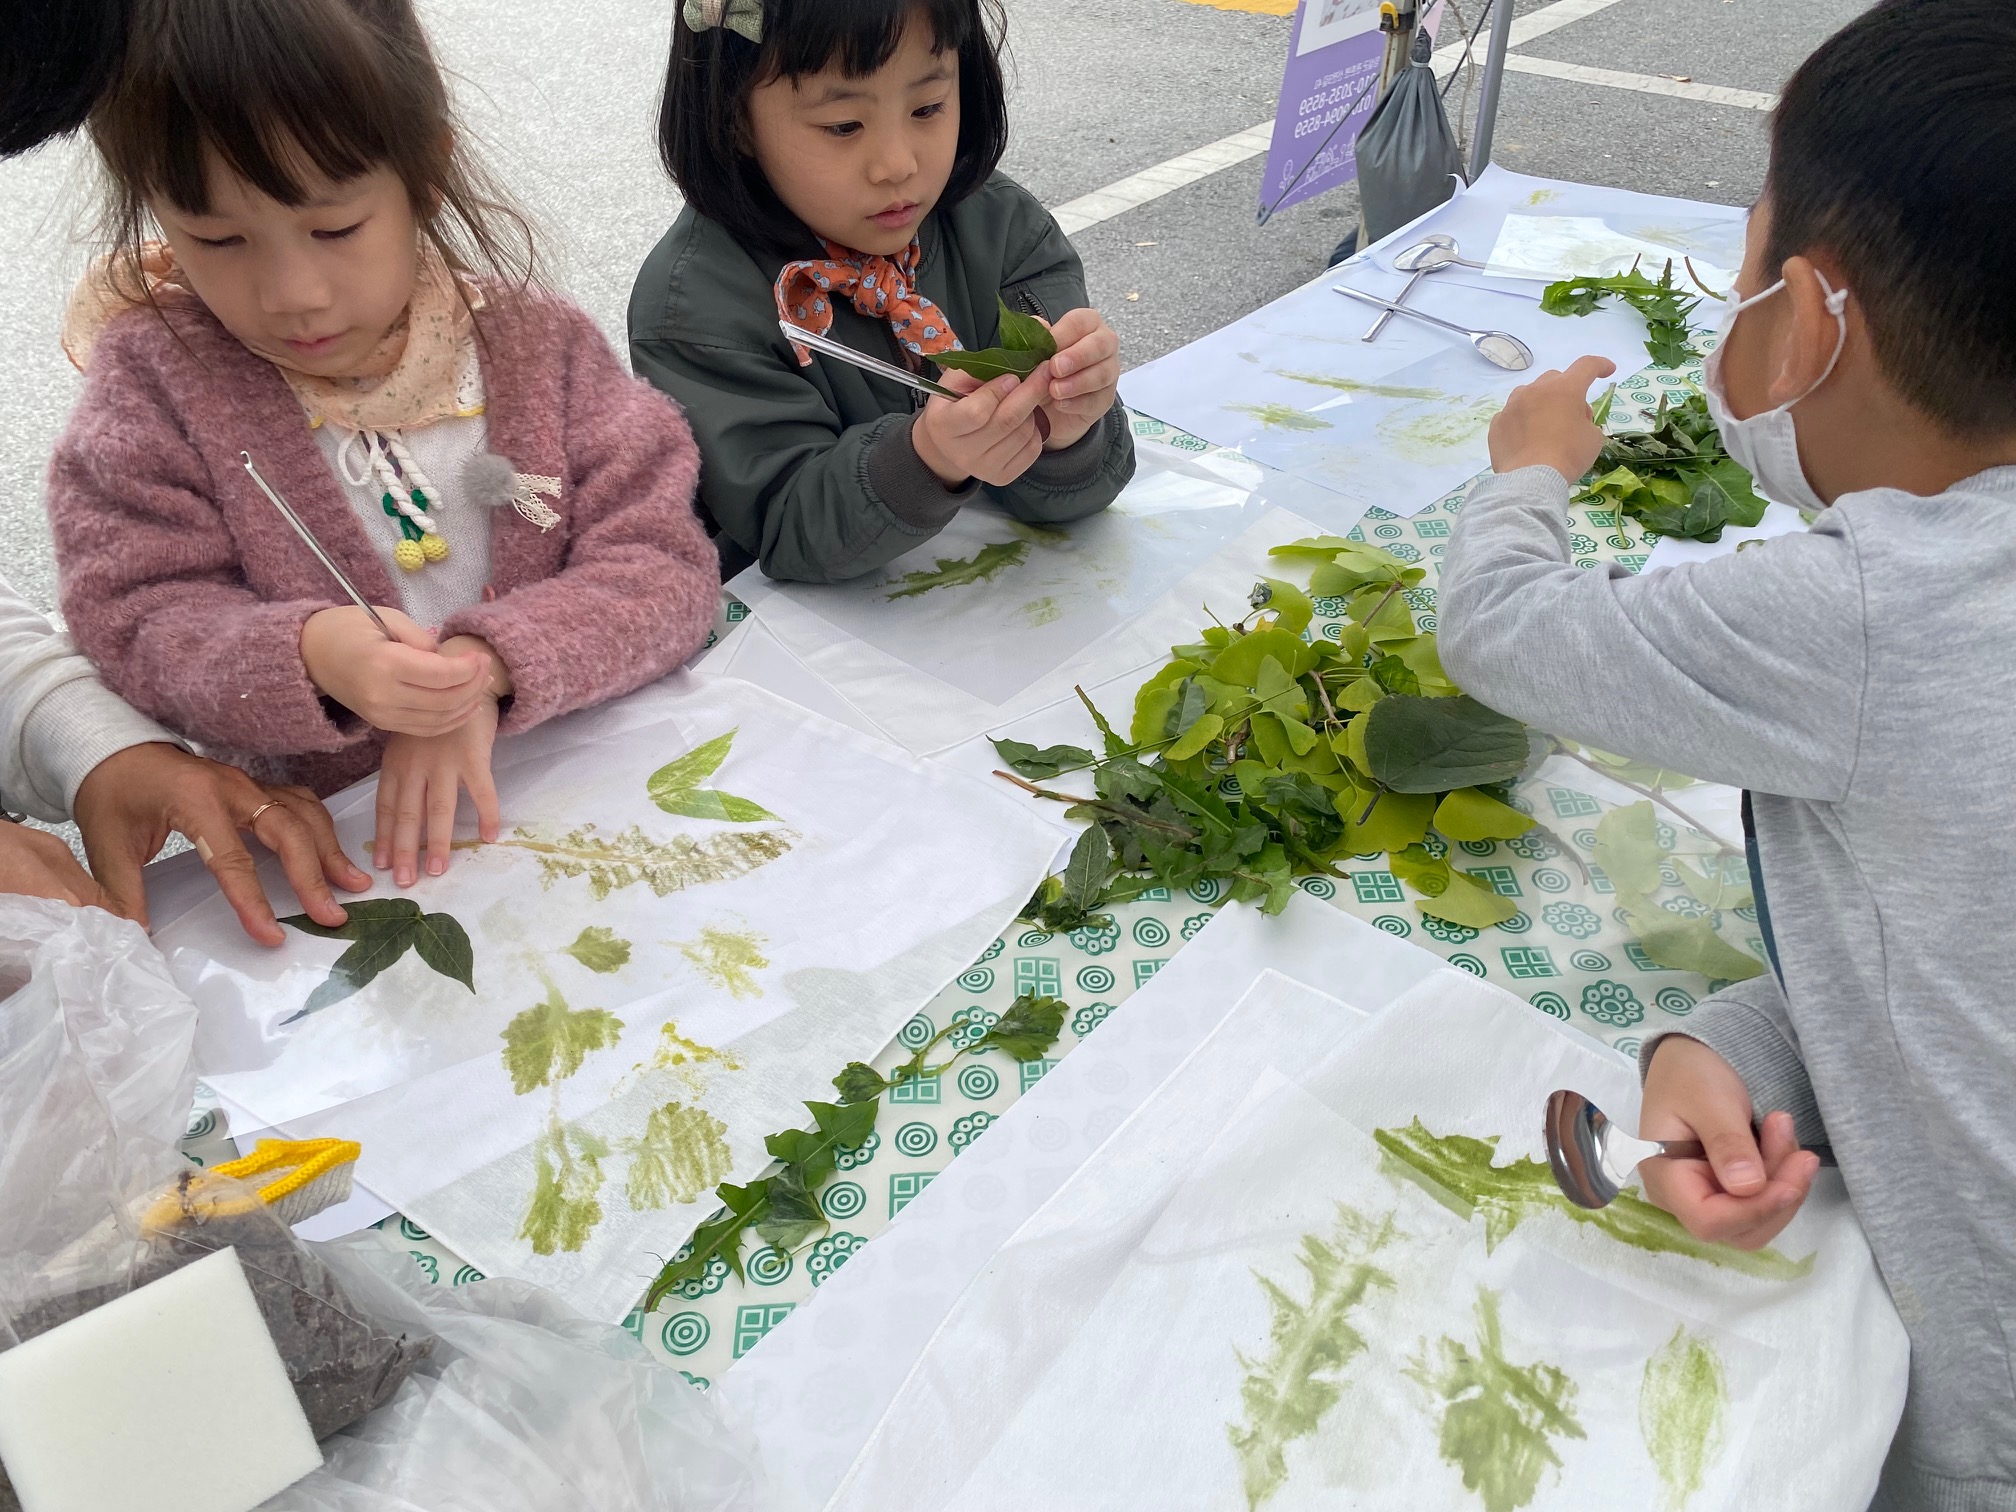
{"points": [[1836, 304]]}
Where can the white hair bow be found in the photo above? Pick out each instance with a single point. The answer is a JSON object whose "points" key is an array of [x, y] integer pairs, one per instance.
{"points": [[744, 17]]}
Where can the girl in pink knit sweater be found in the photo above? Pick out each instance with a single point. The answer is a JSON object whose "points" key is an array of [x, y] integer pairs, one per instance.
{"points": [[468, 448]]}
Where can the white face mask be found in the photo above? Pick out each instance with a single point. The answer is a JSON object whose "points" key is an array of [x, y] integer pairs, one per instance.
{"points": [[1767, 445]]}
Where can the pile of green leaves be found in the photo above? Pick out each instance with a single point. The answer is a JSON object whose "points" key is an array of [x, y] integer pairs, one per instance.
{"points": [[1675, 478], [1628, 849], [1026, 344], [1335, 748], [783, 1207], [1665, 307]]}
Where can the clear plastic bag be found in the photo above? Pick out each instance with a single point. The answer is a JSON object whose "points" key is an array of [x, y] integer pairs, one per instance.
{"points": [[522, 1406]]}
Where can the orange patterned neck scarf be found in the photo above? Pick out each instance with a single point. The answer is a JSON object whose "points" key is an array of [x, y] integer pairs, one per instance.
{"points": [[882, 288]]}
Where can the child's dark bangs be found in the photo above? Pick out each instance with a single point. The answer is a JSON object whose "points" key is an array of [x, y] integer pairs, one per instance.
{"points": [[281, 100], [859, 35]]}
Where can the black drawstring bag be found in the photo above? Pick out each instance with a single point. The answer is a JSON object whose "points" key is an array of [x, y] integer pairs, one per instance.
{"points": [[1407, 154]]}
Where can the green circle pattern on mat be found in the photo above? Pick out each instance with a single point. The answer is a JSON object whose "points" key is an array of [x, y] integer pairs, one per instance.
{"points": [[1568, 954]]}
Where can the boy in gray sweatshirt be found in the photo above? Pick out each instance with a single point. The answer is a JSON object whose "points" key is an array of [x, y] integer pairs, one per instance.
{"points": [[1859, 681]]}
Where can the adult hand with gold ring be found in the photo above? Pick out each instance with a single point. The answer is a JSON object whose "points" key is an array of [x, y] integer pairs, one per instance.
{"points": [[132, 801]]}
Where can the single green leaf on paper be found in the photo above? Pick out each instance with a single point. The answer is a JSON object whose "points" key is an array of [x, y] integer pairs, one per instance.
{"points": [[1683, 1407], [692, 769], [600, 949], [982, 567], [704, 803], [1026, 343], [1458, 1171], [1430, 745], [1499, 1420], [1090, 865], [1041, 765], [682, 1152], [1287, 1392], [1468, 814], [548, 1041], [381, 930], [1027, 1028]]}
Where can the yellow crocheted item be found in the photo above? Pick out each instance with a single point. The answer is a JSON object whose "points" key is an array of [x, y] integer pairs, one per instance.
{"points": [[297, 1178], [433, 548], [409, 555]]}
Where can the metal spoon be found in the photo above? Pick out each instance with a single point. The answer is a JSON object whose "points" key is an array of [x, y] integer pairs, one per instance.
{"points": [[1499, 348], [1593, 1159], [1424, 257]]}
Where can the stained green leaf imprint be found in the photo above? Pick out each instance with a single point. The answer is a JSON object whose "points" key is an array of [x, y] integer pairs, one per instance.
{"points": [[727, 959], [682, 1152], [381, 930], [600, 949], [566, 1204], [548, 1041], [1498, 1419], [1683, 1403], [984, 566], [613, 862], [1457, 1171], [1287, 1393]]}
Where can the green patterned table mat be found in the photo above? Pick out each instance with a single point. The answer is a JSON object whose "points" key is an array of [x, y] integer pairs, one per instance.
{"points": [[1566, 951]]}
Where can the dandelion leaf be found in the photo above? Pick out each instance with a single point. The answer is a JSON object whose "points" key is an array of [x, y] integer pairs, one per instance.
{"points": [[1286, 1392], [1499, 1420], [984, 566]]}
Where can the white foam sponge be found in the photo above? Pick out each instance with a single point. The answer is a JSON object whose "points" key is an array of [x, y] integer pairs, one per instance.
{"points": [[101, 1413]]}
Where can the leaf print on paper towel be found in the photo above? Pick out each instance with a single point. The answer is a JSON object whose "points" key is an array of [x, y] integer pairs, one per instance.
{"points": [[380, 931], [613, 862], [548, 1041], [682, 1152], [1287, 1393], [1457, 1171], [957, 572], [600, 949], [1497, 1418], [727, 959], [565, 1205], [1681, 1407], [675, 787]]}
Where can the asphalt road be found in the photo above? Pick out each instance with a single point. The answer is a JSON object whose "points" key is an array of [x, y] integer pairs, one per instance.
{"points": [[561, 100]]}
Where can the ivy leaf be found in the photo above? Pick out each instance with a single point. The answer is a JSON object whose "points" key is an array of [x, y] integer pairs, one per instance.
{"points": [[793, 1215], [1046, 763], [860, 1083], [1467, 814], [690, 770], [381, 930], [548, 1041], [1027, 1028], [1430, 745]]}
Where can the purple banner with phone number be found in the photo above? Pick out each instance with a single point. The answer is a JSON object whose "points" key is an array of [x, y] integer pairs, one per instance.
{"points": [[1334, 52]]}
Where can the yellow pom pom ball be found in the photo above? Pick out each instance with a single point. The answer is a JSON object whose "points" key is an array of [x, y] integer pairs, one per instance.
{"points": [[409, 555], [434, 548]]}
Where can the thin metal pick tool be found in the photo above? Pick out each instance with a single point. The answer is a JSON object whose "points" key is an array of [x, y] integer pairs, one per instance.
{"points": [[308, 536], [862, 360]]}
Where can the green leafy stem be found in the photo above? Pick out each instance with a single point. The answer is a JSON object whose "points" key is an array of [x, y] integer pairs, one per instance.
{"points": [[782, 1208], [380, 931]]}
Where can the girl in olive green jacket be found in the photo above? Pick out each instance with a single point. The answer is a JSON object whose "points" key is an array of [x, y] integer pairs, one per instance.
{"points": [[837, 159]]}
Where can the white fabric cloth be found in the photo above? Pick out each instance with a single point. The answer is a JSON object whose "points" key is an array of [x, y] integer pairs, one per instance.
{"points": [[1030, 1392], [57, 720], [443, 450], [739, 997]]}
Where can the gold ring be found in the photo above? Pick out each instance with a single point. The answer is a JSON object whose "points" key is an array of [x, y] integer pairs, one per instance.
{"points": [[270, 803]]}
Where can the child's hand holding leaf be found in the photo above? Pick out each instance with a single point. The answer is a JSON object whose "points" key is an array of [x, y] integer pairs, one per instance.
{"points": [[1548, 422], [991, 433], [1084, 376]]}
